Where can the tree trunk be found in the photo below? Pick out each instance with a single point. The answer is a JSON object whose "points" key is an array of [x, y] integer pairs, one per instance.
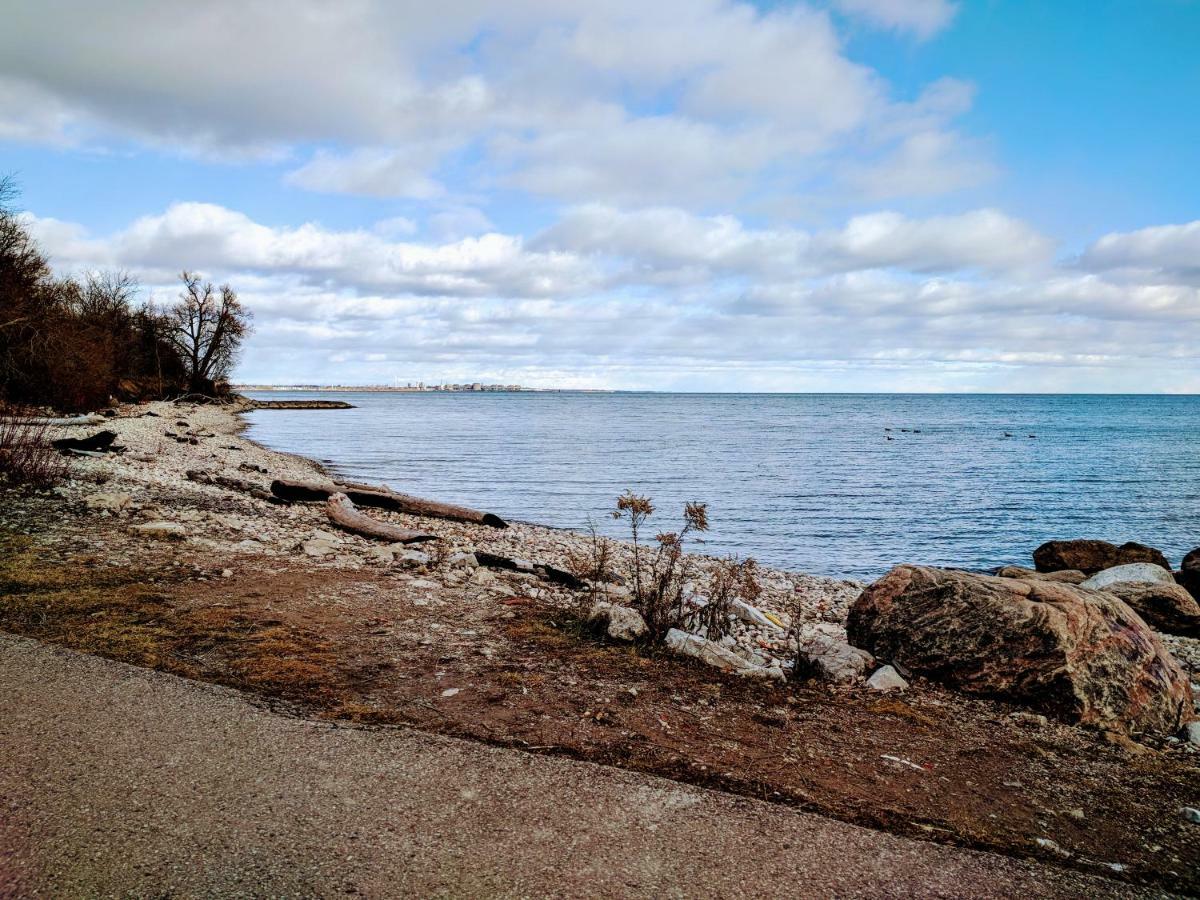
{"points": [[382, 497], [342, 513]]}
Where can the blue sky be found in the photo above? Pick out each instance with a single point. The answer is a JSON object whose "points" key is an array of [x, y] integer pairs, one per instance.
{"points": [[846, 195]]}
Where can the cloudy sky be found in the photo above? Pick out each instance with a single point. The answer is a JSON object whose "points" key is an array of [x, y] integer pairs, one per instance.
{"points": [[685, 194]]}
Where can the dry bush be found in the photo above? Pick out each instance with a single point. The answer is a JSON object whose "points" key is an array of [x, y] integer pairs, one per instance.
{"points": [[659, 576], [731, 580], [803, 668], [593, 565], [26, 455]]}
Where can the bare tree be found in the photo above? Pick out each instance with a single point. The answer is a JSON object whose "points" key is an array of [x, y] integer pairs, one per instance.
{"points": [[209, 325]]}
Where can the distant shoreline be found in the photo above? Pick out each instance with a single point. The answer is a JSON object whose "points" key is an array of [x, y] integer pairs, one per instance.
{"points": [[387, 389]]}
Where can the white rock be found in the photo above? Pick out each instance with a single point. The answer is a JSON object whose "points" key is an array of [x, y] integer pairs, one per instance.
{"points": [[715, 655], [317, 547], [705, 650], [835, 660], [382, 554], [1133, 572], [1190, 814], [1191, 732], [108, 502], [410, 557], [751, 614], [463, 560], [482, 576], [621, 623], [887, 679], [167, 531]]}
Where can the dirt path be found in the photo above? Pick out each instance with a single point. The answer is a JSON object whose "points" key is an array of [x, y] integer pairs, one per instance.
{"points": [[121, 781]]}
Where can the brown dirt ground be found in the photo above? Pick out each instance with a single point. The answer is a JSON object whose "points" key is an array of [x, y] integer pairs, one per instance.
{"points": [[348, 645]]}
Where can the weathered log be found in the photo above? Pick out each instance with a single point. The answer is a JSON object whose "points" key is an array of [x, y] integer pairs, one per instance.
{"points": [[550, 573], [92, 419], [98, 442], [381, 497], [342, 513], [233, 484]]}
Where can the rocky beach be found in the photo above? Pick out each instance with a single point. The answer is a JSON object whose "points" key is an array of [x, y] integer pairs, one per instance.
{"points": [[174, 553]]}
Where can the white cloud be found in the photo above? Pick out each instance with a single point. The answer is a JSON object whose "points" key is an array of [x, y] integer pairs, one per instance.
{"points": [[673, 239], [685, 101], [664, 298], [1170, 250], [924, 18], [372, 172]]}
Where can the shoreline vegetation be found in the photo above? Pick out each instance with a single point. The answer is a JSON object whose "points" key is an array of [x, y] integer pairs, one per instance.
{"points": [[173, 549]]}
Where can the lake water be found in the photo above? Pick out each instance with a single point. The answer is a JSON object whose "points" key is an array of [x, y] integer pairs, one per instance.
{"points": [[801, 481]]}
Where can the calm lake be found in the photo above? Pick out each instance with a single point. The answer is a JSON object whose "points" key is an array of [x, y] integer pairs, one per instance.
{"points": [[801, 481]]}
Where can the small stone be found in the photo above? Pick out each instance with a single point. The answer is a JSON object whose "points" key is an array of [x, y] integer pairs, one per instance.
{"points": [[621, 623], [1052, 846], [450, 692], [1191, 732], [108, 502], [1190, 814], [1030, 718], [383, 555], [463, 561], [316, 547], [409, 557], [227, 573], [887, 679], [1076, 813], [166, 531]]}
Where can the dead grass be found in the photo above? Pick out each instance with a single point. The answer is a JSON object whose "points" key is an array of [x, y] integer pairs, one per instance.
{"points": [[113, 613]]}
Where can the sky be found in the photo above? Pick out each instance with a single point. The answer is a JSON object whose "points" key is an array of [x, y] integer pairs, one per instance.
{"points": [[837, 195]]}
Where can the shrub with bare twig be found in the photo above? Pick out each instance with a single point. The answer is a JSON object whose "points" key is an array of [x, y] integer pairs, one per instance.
{"points": [[732, 579], [659, 577], [593, 565], [26, 455]]}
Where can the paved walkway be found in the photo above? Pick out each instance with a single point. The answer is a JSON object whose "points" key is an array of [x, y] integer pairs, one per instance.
{"points": [[116, 781]]}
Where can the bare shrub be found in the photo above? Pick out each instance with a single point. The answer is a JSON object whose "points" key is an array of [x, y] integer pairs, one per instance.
{"points": [[803, 668], [593, 565], [730, 580], [26, 455], [659, 576]]}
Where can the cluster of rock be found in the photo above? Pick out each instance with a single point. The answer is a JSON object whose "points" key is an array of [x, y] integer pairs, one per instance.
{"points": [[1071, 638]]}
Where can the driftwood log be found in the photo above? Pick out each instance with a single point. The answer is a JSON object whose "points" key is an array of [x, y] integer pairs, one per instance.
{"points": [[99, 442], [233, 484], [550, 573], [382, 497], [342, 513], [92, 419]]}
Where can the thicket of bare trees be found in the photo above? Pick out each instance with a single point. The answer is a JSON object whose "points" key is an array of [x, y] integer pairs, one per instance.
{"points": [[72, 343]]}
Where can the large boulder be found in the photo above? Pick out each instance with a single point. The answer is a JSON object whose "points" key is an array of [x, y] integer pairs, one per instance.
{"points": [[1130, 573], [1189, 573], [1077, 654], [1165, 607], [1090, 556]]}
